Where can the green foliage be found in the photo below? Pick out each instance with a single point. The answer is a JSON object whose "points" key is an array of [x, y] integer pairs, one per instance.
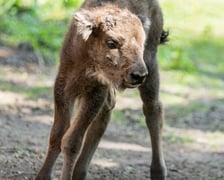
{"points": [[196, 36], [27, 27], [24, 5], [41, 24], [196, 40], [72, 3]]}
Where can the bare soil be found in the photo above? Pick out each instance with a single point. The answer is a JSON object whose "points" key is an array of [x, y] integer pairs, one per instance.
{"points": [[193, 142]]}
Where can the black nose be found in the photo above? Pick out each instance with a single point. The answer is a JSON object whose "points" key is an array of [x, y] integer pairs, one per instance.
{"points": [[138, 78]]}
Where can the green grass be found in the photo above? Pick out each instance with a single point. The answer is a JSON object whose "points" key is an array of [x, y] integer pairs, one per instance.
{"points": [[119, 117], [31, 92], [196, 40], [177, 138], [128, 117]]}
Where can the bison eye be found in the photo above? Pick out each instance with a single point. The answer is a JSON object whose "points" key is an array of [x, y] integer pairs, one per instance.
{"points": [[112, 44]]}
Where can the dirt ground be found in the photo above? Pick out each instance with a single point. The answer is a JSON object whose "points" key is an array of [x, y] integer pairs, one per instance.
{"points": [[193, 147]]}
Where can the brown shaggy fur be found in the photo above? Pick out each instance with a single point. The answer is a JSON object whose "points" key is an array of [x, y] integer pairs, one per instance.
{"points": [[110, 44]]}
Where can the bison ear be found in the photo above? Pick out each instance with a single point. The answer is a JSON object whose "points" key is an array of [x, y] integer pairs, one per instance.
{"points": [[85, 23]]}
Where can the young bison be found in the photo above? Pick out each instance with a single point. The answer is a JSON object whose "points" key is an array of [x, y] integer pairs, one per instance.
{"points": [[111, 44]]}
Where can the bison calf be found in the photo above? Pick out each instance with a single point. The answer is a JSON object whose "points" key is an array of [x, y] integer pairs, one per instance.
{"points": [[110, 44]]}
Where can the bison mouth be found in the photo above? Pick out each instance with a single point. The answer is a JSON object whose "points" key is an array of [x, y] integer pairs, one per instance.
{"points": [[131, 86]]}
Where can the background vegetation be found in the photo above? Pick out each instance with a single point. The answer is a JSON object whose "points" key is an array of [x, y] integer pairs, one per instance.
{"points": [[196, 40], [193, 60], [39, 22], [192, 83]]}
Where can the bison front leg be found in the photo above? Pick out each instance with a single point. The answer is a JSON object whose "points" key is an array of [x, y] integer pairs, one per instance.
{"points": [[62, 113], [89, 105], [153, 112], [92, 138]]}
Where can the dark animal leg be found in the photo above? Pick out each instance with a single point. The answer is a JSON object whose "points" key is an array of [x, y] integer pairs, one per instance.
{"points": [[153, 112]]}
